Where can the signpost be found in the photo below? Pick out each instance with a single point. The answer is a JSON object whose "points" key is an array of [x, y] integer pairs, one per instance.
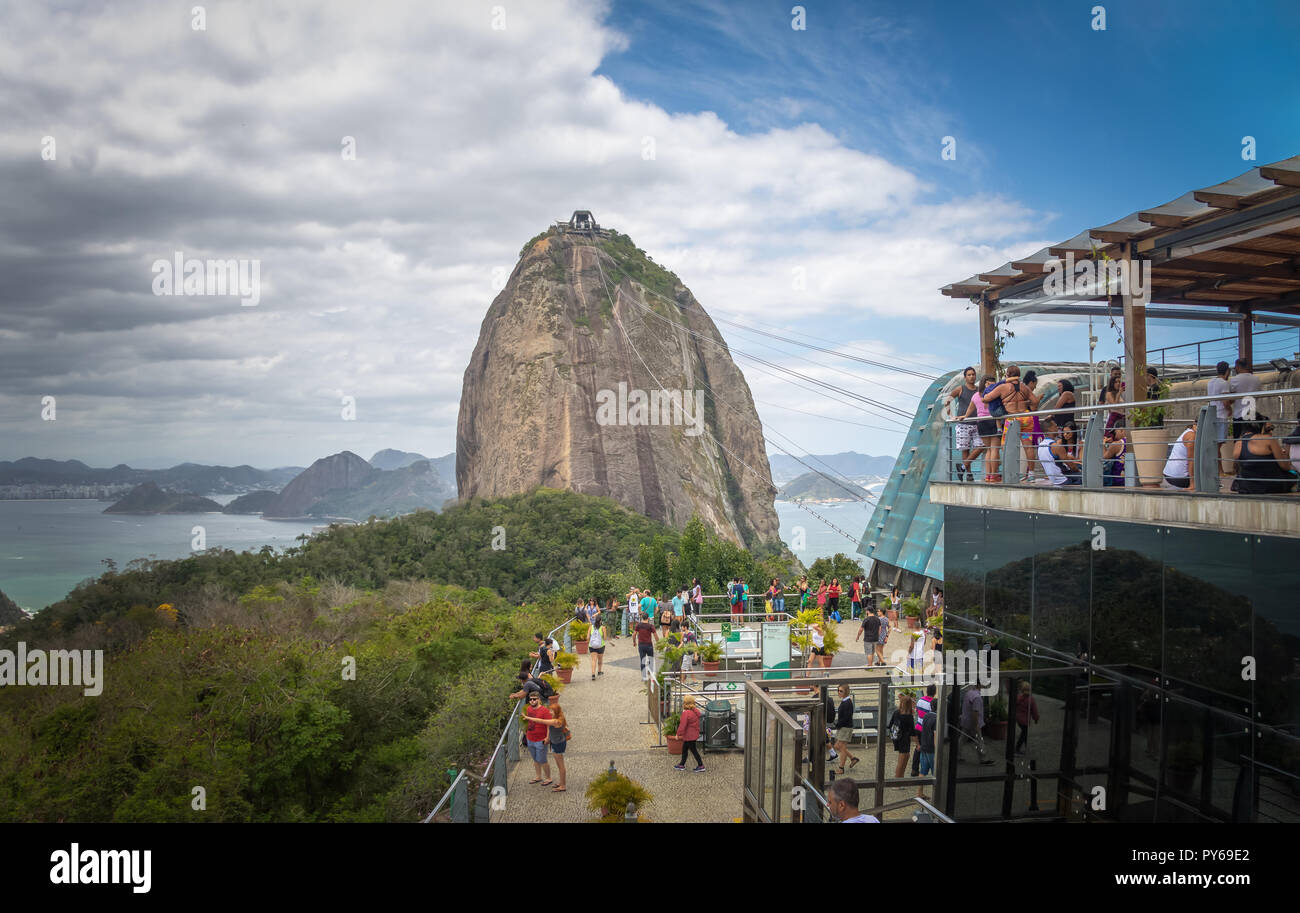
{"points": [[775, 645]]}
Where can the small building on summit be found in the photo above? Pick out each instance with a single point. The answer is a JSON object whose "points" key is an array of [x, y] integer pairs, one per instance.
{"points": [[581, 220]]}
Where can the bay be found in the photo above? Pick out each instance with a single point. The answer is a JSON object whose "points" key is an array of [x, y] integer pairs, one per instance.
{"points": [[48, 547]]}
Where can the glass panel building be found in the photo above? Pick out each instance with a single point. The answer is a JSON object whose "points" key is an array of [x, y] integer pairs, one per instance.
{"points": [[1147, 672]]}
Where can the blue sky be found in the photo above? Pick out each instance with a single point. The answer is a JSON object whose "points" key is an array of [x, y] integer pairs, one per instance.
{"points": [[1080, 126]]}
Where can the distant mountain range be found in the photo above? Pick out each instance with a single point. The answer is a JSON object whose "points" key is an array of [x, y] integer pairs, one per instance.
{"points": [[849, 464], [35, 474]]}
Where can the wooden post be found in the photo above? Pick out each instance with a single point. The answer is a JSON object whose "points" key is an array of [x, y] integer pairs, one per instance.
{"points": [[1135, 334], [988, 333], [1246, 337]]}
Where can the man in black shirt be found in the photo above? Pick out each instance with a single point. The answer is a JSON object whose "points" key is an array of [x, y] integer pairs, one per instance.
{"points": [[870, 629]]}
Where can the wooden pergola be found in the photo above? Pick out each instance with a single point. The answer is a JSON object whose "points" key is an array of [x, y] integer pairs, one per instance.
{"points": [[1226, 252]]}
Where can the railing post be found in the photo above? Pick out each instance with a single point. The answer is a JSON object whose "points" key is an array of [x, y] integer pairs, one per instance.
{"points": [[1010, 452], [460, 799], [1093, 448], [1207, 451], [512, 737]]}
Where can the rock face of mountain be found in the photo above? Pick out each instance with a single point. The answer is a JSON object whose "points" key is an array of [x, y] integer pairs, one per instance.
{"points": [[395, 459], [148, 498], [343, 470], [566, 389]]}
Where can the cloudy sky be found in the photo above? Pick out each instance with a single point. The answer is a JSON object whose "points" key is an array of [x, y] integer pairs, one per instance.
{"points": [[732, 147]]}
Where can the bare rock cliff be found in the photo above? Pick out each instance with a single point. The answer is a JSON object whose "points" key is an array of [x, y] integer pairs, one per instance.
{"points": [[566, 389]]}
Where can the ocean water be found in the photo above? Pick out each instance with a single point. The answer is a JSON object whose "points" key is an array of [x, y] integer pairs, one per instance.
{"points": [[48, 547], [821, 540]]}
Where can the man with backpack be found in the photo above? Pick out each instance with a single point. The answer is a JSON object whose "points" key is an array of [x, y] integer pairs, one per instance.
{"points": [[924, 706], [529, 684]]}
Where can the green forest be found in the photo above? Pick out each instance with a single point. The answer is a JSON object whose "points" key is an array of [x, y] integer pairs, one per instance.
{"points": [[337, 681]]}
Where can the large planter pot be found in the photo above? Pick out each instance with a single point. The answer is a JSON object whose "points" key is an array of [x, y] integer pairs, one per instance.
{"points": [[580, 646], [711, 668], [997, 730], [913, 623], [1149, 452], [566, 675], [674, 744], [554, 700], [893, 615]]}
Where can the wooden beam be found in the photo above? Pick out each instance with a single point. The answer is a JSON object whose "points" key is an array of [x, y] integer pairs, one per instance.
{"points": [[1246, 338], [1273, 271], [988, 332], [1135, 334]]}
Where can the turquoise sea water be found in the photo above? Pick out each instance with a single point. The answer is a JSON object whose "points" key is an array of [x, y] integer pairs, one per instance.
{"points": [[48, 547]]}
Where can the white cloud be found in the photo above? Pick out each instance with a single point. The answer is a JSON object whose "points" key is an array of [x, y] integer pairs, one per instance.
{"points": [[377, 272]]}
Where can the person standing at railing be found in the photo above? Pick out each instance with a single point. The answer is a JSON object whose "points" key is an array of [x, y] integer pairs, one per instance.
{"points": [[821, 596], [1221, 385], [778, 596], [1018, 397], [1243, 384], [557, 726], [771, 600], [544, 654], [697, 597], [1065, 403], [803, 593], [1180, 468], [985, 431], [963, 432], [833, 598], [1262, 466], [855, 598], [536, 737]]}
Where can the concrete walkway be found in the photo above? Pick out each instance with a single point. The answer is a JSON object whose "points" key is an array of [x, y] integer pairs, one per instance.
{"points": [[608, 720]]}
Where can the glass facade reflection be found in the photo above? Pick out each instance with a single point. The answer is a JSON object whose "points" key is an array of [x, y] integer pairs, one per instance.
{"points": [[1162, 665]]}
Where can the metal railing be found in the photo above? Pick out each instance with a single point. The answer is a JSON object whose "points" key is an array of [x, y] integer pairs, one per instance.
{"points": [[1107, 454], [496, 772], [1222, 348]]}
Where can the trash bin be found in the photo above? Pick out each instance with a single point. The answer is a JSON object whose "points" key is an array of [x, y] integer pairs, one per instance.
{"points": [[719, 731]]}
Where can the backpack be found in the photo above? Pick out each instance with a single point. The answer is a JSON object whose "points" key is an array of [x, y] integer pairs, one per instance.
{"points": [[547, 691], [995, 407]]}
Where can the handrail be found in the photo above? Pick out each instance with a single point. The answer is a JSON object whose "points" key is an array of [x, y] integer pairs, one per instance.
{"points": [[514, 713], [1118, 407]]}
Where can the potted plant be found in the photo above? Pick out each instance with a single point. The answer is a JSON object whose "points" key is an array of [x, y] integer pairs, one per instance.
{"points": [[997, 724], [710, 654], [670, 733], [565, 663], [611, 793], [579, 634], [555, 684], [1149, 440], [1184, 761], [912, 609], [830, 644]]}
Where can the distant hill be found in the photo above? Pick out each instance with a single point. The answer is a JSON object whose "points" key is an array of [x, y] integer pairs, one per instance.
{"points": [[329, 474], [388, 494], [148, 498], [849, 464], [813, 487], [395, 459], [255, 502]]}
